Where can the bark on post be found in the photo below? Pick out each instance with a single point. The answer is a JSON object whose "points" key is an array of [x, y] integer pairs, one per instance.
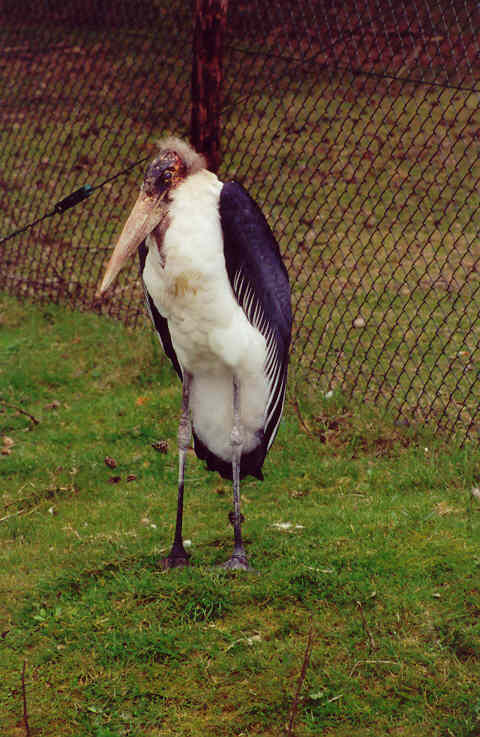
{"points": [[210, 24]]}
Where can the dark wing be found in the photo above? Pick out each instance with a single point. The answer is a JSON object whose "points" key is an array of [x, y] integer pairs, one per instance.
{"points": [[160, 323], [260, 283]]}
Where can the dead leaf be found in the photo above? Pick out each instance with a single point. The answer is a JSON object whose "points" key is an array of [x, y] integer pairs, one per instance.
{"points": [[53, 405], [141, 400], [442, 508], [160, 445], [7, 444]]}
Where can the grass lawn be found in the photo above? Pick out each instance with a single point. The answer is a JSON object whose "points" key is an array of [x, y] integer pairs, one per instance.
{"points": [[360, 535]]}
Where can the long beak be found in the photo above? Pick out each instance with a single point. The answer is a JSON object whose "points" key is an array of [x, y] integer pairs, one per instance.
{"points": [[146, 215]]}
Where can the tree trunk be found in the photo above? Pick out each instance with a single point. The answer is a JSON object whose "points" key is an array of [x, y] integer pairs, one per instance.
{"points": [[210, 24]]}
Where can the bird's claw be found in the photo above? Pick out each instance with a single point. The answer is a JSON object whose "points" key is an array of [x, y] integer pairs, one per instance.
{"points": [[175, 559], [237, 563]]}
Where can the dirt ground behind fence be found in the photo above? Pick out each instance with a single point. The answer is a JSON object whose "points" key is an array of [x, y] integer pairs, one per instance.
{"points": [[356, 130]]}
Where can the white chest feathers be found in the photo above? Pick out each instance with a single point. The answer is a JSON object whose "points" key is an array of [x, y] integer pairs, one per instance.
{"points": [[187, 279], [186, 276]]}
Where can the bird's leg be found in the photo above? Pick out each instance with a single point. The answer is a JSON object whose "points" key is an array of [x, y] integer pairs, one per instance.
{"points": [[178, 556], [239, 558]]}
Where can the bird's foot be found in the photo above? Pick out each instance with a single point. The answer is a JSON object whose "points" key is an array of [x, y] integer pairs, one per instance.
{"points": [[238, 562], [177, 558], [231, 518]]}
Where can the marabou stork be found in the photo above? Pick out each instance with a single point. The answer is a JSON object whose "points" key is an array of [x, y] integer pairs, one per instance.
{"points": [[218, 295]]}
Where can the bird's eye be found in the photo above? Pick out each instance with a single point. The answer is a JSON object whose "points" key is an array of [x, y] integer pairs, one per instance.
{"points": [[167, 174]]}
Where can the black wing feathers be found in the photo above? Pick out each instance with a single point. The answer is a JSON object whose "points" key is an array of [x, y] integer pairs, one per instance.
{"points": [[250, 247], [250, 463], [260, 283]]}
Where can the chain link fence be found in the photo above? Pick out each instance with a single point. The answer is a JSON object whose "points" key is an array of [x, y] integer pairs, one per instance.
{"points": [[355, 125]]}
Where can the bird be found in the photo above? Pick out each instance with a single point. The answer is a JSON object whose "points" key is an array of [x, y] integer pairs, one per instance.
{"points": [[218, 295]]}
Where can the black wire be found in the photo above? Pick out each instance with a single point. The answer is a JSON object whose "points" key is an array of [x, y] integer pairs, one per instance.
{"points": [[306, 60], [26, 227], [84, 192], [73, 199]]}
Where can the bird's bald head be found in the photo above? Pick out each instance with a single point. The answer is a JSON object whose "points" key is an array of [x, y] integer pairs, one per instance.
{"points": [[164, 174], [175, 161]]}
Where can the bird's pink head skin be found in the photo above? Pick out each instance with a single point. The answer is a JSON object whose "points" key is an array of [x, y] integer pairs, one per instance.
{"points": [[165, 173]]}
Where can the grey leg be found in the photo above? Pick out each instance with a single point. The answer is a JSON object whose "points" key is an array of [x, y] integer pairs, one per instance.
{"points": [[178, 556], [239, 558]]}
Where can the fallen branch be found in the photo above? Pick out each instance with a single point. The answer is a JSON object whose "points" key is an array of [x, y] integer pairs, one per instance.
{"points": [[372, 662], [301, 678], [12, 514], [365, 626], [21, 511], [24, 694], [301, 420], [19, 409], [409, 60]]}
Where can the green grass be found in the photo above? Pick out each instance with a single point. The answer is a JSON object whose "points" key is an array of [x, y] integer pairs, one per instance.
{"points": [[381, 558], [370, 188], [369, 184]]}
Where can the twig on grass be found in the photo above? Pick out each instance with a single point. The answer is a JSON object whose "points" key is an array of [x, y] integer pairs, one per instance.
{"points": [[365, 626], [301, 678], [12, 514], [24, 695], [303, 423], [20, 511], [372, 662], [19, 409]]}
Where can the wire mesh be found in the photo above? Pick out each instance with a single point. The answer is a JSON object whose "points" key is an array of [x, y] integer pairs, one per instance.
{"points": [[88, 88], [354, 124]]}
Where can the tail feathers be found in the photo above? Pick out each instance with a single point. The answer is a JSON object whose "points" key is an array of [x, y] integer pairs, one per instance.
{"points": [[250, 464]]}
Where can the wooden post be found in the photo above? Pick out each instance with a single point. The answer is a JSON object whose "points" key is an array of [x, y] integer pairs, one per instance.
{"points": [[210, 24]]}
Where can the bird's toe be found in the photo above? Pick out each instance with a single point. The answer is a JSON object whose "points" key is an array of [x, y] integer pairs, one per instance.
{"points": [[175, 559], [237, 563]]}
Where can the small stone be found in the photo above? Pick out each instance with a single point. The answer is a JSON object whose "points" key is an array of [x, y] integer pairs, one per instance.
{"points": [[476, 493], [359, 322]]}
